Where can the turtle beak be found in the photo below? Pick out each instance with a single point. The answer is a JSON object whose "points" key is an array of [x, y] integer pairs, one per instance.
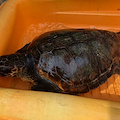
{"points": [[4, 71]]}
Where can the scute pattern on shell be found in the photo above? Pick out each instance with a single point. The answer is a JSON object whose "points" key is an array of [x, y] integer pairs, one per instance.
{"points": [[82, 59]]}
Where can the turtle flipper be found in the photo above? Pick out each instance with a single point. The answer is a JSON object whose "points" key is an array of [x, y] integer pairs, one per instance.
{"points": [[43, 84]]}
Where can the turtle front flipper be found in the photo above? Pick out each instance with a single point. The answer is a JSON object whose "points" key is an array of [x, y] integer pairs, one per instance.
{"points": [[43, 84]]}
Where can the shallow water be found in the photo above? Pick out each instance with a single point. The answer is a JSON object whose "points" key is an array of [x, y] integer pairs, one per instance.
{"points": [[35, 30]]}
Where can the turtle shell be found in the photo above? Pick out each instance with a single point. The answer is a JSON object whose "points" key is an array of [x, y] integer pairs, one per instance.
{"points": [[77, 60]]}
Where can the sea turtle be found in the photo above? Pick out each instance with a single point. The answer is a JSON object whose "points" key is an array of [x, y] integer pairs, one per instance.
{"points": [[75, 60]]}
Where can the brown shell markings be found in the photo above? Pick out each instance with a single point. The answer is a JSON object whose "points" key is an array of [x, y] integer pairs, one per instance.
{"points": [[78, 60]]}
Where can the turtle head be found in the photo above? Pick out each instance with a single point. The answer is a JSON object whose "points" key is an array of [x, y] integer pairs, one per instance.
{"points": [[19, 65], [11, 65]]}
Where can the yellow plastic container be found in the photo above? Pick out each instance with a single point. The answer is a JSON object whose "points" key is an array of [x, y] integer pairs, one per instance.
{"points": [[23, 20]]}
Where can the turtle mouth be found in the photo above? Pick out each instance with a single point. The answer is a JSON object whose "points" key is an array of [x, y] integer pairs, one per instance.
{"points": [[3, 74], [4, 71]]}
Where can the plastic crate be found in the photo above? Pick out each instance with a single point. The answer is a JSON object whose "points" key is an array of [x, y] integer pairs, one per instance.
{"points": [[22, 20]]}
